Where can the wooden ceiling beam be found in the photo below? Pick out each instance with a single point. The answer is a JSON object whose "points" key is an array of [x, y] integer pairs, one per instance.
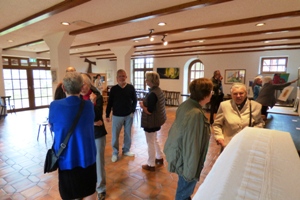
{"points": [[223, 49], [65, 5], [149, 15], [212, 53], [206, 26]]}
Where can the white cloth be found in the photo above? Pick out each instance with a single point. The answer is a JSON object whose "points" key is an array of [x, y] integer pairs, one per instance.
{"points": [[258, 164]]}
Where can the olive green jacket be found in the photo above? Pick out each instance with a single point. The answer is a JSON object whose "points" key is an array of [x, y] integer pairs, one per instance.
{"points": [[187, 142]]}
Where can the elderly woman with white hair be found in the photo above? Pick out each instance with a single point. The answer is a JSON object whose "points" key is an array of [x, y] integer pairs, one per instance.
{"points": [[235, 114], [266, 96]]}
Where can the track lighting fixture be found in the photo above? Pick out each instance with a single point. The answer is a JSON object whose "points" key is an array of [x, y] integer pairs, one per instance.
{"points": [[150, 35], [164, 41]]}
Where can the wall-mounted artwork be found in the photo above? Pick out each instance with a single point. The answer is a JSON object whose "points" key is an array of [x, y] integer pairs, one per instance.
{"points": [[234, 76], [168, 73], [54, 76]]}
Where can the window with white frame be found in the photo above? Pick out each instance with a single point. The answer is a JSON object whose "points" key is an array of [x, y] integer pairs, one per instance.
{"points": [[196, 70], [274, 64], [140, 67]]}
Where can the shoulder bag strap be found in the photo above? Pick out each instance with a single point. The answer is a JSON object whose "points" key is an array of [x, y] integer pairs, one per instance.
{"points": [[250, 118], [64, 144]]}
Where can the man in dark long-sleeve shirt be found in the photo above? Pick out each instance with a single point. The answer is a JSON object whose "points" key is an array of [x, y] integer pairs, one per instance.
{"points": [[122, 100]]}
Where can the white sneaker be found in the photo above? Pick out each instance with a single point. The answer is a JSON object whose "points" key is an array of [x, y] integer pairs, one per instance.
{"points": [[128, 154], [114, 158]]}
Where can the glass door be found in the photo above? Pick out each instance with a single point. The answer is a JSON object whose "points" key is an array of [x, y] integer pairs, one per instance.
{"points": [[30, 86]]}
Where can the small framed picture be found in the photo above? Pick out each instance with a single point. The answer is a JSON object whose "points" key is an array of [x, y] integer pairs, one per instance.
{"points": [[234, 76], [54, 76]]}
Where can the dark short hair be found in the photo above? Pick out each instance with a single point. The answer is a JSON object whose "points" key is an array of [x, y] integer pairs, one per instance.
{"points": [[200, 88]]}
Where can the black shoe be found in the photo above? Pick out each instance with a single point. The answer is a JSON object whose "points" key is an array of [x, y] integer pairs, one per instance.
{"points": [[149, 168], [159, 161]]}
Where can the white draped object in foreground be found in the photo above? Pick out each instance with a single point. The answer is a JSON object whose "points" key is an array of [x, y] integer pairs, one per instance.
{"points": [[258, 164]]}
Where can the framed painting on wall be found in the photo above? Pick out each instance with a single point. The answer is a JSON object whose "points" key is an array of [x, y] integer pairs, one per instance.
{"points": [[168, 73], [234, 76], [54, 76]]}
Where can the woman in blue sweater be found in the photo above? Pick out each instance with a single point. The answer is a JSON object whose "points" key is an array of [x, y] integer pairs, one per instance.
{"points": [[77, 163]]}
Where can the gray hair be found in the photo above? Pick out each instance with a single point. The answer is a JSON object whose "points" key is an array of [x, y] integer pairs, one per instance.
{"points": [[87, 79], [257, 78], [121, 71], [267, 79], [153, 77], [238, 85], [73, 82]]}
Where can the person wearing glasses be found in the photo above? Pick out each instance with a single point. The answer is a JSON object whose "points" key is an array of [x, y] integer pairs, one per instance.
{"points": [[90, 93], [122, 102], [235, 114], [188, 138]]}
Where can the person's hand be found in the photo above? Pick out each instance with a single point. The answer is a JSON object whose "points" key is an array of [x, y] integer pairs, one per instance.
{"points": [[93, 97], [108, 119], [141, 104], [221, 78], [221, 142], [98, 123]]}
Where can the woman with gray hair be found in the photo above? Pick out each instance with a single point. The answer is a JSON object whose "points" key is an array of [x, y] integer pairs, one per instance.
{"points": [[153, 117], [235, 114], [90, 93], [77, 163], [266, 96]]}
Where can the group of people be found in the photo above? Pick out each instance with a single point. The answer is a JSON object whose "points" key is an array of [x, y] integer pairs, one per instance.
{"points": [[188, 138], [81, 165]]}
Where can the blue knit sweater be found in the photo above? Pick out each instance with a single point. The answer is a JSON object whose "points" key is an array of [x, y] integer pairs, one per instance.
{"points": [[81, 149]]}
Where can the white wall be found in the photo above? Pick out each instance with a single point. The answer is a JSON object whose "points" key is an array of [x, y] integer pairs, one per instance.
{"points": [[248, 61]]}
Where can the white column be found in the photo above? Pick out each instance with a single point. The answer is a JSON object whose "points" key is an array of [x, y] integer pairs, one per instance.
{"points": [[2, 91], [123, 54], [59, 44]]}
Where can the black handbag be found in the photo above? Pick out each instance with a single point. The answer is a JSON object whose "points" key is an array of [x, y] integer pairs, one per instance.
{"points": [[51, 161]]}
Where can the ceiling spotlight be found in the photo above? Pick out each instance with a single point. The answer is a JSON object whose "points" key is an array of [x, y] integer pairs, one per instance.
{"points": [[164, 41], [260, 24], [161, 24], [150, 35], [65, 23]]}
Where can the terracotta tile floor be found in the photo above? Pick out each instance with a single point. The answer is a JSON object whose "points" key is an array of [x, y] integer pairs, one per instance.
{"points": [[22, 159]]}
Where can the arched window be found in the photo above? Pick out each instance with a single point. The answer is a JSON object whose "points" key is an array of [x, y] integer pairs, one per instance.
{"points": [[196, 70]]}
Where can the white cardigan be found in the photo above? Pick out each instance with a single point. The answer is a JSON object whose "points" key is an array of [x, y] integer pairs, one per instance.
{"points": [[229, 120]]}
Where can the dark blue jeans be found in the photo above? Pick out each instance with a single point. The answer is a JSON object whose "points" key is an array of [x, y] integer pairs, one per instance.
{"points": [[184, 189]]}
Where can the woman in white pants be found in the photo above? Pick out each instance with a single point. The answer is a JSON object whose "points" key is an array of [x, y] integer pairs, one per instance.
{"points": [[153, 117]]}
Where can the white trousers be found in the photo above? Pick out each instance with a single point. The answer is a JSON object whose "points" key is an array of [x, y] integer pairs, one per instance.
{"points": [[154, 150]]}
